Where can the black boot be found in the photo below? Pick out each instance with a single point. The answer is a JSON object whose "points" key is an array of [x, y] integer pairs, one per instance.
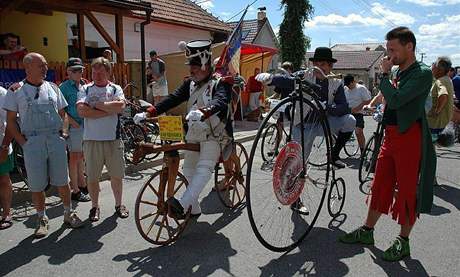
{"points": [[340, 142]]}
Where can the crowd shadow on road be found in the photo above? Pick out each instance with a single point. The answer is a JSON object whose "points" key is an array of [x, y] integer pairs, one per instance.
{"points": [[449, 194], [57, 247], [183, 258], [321, 255], [446, 153]]}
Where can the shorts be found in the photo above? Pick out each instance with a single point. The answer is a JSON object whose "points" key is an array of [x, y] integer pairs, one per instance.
{"points": [[359, 120], [156, 90], [394, 188], [45, 158], [7, 166], [100, 153], [75, 140]]}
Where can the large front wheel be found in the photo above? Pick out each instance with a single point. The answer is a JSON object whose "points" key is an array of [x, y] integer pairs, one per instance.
{"points": [[274, 192]]}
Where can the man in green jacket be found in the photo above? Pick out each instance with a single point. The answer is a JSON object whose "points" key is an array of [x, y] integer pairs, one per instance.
{"points": [[406, 165]]}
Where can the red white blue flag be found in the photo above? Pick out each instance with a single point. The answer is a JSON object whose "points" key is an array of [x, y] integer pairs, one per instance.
{"points": [[229, 62]]}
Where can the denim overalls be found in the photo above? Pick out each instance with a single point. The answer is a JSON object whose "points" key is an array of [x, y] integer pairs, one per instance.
{"points": [[44, 151]]}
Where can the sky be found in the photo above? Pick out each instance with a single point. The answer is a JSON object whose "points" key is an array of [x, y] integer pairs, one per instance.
{"points": [[436, 23]]}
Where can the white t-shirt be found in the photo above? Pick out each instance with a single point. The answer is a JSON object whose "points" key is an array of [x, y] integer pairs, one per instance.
{"points": [[3, 117], [103, 128], [16, 101], [357, 95]]}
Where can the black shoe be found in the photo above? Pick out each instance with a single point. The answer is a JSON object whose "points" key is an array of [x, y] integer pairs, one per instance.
{"points": [[339, 164], [84, 190], [176, 208], [298, 207], [94, 214], [80, 197]]}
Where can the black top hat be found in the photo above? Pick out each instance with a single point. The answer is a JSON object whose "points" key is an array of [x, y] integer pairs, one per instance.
{"points": [[198, 52], [75, 63], [323, 54]]}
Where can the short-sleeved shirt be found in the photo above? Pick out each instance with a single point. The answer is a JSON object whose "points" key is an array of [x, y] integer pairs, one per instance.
{"points": [[157, 67], [16, 101], [3, 117], [442, 86], [456, 83], [103, 128], [357, 95], [70, 91]]}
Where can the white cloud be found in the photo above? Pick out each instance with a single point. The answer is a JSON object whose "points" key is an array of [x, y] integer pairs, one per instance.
{"points": [[440, 38], [430, 3], [382, 16], [371, 40], [206, 5], [397, 18], [225, 15], [433, 14]]}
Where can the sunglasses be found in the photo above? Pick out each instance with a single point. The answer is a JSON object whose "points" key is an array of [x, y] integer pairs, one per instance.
{"points": [[77, 70]]}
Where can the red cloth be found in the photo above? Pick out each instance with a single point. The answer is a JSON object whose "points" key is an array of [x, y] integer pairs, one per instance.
{"points": [[397, 173], [13, 56], [254, 85]]}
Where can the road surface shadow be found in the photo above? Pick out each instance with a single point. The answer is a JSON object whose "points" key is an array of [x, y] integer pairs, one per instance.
{"points": [[58, 249], [183, 258], [449, 194]]}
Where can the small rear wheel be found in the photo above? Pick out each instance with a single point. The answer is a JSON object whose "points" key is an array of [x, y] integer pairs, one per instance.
{"points": [[336, 197]]}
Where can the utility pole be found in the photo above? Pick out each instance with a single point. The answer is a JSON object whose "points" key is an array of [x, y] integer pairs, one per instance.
{"points": [[423, 55]]}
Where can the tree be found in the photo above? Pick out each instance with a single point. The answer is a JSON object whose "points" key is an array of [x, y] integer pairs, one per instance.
{"points": [[293, 42]]}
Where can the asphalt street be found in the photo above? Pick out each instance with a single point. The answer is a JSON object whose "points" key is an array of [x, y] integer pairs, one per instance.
{"points": [[222, 243]]}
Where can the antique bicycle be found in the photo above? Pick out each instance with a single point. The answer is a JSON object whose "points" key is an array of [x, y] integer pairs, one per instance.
{"points": [[296, 176], [152, 214]]}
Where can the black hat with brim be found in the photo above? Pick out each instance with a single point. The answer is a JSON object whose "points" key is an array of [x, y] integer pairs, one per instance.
{"points": [[323, 54]]}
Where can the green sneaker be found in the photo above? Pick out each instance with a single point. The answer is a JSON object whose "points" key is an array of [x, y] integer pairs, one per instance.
{"points": [[397, 251], [359, 235]]}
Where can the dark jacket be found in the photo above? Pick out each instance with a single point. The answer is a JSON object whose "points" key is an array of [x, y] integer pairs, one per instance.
{"points": [[340, 107], [221, 97]]}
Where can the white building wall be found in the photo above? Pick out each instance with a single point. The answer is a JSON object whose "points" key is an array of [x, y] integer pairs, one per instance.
{"points": [[159, 36]]}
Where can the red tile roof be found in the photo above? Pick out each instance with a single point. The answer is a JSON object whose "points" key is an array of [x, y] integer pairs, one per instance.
{"points": [[185, 12], [353, 59], [250, 29]]}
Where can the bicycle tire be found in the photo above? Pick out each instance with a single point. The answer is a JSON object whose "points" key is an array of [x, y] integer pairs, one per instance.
{"points": [[352, 146], [159, 209], [299, 229], [132, 134], [19, 162], [269, 138], [366, 160], [336, 197]]}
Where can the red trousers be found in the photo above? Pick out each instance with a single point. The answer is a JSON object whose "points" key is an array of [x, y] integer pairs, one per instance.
{"points": [[397, 174]]}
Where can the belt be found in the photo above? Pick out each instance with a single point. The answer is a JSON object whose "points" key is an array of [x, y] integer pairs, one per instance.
{"points": [[41, 133]]}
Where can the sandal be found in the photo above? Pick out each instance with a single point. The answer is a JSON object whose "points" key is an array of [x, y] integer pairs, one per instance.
{"points": [[6, 223], [122, 211], [94, 214]]}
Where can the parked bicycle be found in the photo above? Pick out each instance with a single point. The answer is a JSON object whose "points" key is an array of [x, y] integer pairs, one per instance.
{"points": [[369, 156]]}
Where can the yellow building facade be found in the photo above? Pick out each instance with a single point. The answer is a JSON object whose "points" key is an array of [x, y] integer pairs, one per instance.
{"points": [[44, 34]]}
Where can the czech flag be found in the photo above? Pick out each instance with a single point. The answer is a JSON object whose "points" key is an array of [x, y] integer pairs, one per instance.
{"points": [[229, 62]]}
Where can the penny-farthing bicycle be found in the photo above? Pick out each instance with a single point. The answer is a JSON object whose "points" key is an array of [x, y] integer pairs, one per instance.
{"points": [[152, 214], [273, 193]]}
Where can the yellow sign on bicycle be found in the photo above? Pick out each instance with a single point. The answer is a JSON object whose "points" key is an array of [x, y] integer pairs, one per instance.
{"points": [[171, 128]]}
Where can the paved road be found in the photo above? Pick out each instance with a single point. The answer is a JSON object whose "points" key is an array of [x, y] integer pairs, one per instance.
{"points": [[221, 242]]}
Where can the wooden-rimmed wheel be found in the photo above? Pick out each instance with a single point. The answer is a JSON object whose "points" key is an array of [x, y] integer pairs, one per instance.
{"points": [[153, 219], [230, 182]]}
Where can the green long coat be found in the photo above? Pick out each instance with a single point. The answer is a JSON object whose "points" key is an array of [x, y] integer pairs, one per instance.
{"points": [[408, 99]]}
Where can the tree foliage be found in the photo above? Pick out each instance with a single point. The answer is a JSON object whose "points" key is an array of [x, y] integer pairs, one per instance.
{"points": [[293, 42]]}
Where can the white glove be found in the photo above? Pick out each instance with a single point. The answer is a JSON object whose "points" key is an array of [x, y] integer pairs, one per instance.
{"points": [[194, 115], [264, 78], [139, 117]]}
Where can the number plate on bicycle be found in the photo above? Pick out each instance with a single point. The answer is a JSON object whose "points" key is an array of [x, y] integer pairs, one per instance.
{"points": [[287, 183], [171, 128]]}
